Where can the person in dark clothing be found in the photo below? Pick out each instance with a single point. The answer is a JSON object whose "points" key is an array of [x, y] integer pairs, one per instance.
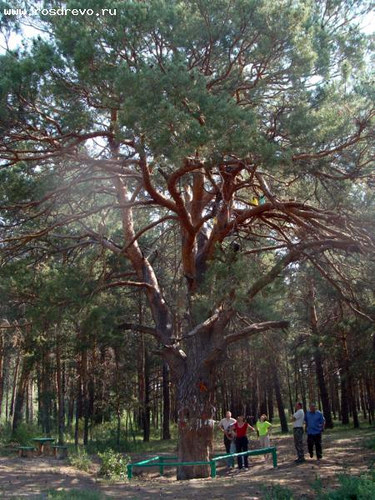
{"points": [[315, 423]]}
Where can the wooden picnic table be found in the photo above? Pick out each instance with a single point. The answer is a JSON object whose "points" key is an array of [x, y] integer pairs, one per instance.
{"points": [[44, 445], [25, 451]]}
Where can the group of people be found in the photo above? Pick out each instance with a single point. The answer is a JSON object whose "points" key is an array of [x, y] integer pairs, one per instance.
{"points": [[236, 440], [314, 422]]}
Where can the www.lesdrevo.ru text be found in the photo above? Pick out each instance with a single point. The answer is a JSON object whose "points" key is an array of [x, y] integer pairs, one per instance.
{"points": [[59, 12]]}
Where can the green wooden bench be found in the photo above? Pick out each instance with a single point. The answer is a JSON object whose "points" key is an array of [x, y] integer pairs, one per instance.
{"points": [[60, 451], [162, 462], [25, 451]]}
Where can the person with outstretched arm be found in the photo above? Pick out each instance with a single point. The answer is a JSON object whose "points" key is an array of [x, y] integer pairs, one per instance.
{"points": [[242, 442]]}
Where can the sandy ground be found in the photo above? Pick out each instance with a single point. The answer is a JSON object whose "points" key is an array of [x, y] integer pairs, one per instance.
{"points": [[343, 452]]}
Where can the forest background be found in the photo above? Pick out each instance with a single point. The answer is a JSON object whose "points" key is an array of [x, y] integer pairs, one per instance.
{"points": [[187, 218]]}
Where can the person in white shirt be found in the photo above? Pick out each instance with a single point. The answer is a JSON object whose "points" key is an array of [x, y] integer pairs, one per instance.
{"points": [[298, 421], [225, 425]]}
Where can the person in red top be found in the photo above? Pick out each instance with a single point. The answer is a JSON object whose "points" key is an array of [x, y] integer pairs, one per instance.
{"points": [[242, 443]]}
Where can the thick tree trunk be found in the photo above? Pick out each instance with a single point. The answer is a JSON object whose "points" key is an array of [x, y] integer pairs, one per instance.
{"points": [[195, 425], [196, 412]]}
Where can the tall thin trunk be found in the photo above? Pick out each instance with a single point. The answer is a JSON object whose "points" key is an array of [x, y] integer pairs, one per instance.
{"points": [[353, 403], [270, 401], [78, 414], [279, 400], [370, 399], [288, 378], [79, 400], [60, 395], [14, 385], [2, 349], [85, 397], [146, 406], [301, 376], [46, 398], [27, 404], [323, 389], [118, 397], [318, 357], [31, 411], [344, 400], [363, 399], [166, 403], [21, 391]]}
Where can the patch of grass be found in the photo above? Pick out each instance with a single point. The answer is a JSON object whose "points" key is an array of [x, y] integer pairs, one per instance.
{"points": [[75, 495], [371, 444], [338, 427], [351, 488], [276, 492]]}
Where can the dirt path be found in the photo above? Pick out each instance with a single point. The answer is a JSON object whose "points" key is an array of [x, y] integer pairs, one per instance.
{"points": [[343, 452]]}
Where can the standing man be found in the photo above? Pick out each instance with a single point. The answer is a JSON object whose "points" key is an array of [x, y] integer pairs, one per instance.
{"points": [[298, 420], [315, 423], [225, 425]]}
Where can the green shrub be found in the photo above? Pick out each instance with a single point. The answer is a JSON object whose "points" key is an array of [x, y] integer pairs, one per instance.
{"points": [[276, 492], [80, 460], [24, 433], [371, 444], [113, 465], [5, 433], [352, 488]]}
